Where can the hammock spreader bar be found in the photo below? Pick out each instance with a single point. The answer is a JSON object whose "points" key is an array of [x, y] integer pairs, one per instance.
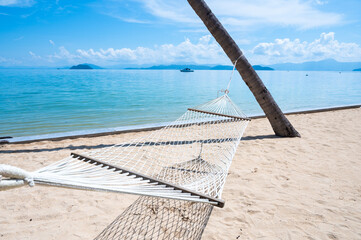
{"points": [[214, 201], [219, 114]]}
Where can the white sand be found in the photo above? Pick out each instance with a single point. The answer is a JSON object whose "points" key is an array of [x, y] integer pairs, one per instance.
{"points": [[278, 188]]}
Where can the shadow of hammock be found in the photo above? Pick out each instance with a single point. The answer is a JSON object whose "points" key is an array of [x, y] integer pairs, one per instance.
{"points": [[158, 218], [140, 144]]}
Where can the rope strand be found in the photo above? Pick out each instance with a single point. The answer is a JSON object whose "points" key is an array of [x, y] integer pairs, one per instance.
{"points": [[230, 79]]}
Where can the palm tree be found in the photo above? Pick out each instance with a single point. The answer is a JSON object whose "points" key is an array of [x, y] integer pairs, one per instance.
{"points": [[280, 124]]}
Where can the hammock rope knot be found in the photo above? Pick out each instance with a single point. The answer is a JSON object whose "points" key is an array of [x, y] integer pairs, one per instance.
{"points": [[15, 177]]}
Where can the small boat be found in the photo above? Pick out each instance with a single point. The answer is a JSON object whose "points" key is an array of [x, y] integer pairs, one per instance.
{"points": [[186, 70]]}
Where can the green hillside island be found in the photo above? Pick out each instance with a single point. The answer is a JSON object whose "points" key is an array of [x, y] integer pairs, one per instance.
{"points": [[357, 69], [85, 66]]}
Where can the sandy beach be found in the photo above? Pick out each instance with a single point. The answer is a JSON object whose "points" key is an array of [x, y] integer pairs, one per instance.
{"points": [[277, 188]]}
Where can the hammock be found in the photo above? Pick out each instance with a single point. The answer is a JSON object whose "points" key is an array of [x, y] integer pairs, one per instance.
{"points": [[186, 160]]}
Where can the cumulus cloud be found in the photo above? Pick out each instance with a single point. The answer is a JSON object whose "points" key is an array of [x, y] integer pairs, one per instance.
{"points": [[287, 50], [204, 51], [17, 3], [245, 13]]}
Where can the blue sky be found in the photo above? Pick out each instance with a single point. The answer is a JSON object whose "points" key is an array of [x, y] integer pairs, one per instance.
{"points": [[121, 33]]}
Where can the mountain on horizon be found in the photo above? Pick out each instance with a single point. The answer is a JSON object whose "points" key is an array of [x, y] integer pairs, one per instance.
{"points": [[323, 65], [195, 67], [85, 66], [174, 67]]}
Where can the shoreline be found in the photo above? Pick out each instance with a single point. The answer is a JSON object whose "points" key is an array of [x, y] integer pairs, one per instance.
{"points": [[135, 128]]}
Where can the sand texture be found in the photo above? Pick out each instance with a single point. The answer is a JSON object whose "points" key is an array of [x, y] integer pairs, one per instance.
{"points": [[277, 188]]}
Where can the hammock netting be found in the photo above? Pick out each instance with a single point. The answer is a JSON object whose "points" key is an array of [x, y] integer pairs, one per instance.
{"points": [[180, 170]]}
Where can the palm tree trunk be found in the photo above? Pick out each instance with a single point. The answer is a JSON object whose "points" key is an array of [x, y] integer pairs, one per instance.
{"points": [[280, 124]]}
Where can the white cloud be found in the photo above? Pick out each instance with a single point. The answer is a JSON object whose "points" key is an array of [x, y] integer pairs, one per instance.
{"points": [[52, 42], [34, 55], [9, 61], [133, 20], [296, 13], [123, 18], [7, 2], [205, 51], [63, 54], [2, 59], [319, 2], [17, 3], [178, 11], [287, 50], [245, 13]]}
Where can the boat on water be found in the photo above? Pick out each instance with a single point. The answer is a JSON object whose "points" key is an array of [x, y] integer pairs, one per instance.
{"points": [[186, 70]]}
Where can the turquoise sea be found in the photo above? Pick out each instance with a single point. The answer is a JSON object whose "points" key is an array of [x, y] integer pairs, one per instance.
{"points": [[43, 101]]}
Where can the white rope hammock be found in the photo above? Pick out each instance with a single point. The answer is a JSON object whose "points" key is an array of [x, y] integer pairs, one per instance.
{"points": [[186, 160]]}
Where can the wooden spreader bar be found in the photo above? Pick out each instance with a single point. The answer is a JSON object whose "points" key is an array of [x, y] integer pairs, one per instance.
{"points": [[219, 114], [219, 202]]}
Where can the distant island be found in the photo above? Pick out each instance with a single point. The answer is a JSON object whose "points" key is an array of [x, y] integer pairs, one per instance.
{"points": [[259, 67], [196, 67], [81, 66], [174, 67], [357, 69], [85, 66]]}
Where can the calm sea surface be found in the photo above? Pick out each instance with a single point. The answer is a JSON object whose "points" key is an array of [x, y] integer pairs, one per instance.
{"points": [[34, 102]]}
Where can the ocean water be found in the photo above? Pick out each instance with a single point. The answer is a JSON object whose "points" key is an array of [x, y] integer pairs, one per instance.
{"points": [[43, 101]]}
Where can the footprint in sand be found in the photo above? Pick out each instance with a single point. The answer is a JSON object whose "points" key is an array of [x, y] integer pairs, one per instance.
{"points": [[252, 211], [332, 236], [282, 177]]}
